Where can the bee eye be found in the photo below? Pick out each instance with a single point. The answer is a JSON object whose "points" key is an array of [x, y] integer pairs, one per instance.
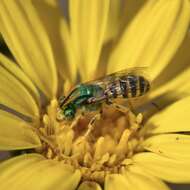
{"points": [[69, 113]]}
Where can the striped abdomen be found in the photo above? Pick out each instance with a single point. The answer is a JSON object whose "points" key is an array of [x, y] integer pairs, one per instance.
{"points": [[128, 86]]}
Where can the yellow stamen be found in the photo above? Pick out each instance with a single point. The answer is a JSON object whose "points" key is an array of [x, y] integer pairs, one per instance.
{"points": [[103, 149]]}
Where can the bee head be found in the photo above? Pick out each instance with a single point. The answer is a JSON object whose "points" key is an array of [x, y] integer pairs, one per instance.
{"points": [[69, 112]]}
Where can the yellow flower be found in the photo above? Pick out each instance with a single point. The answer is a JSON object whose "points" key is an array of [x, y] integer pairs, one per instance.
{"points": [[52, 53]]}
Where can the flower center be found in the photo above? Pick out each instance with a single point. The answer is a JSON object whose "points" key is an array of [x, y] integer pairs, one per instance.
{"points": [[113, 139]]}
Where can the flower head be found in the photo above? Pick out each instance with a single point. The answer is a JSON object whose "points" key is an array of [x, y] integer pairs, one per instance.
{"points": [[133, 146]]}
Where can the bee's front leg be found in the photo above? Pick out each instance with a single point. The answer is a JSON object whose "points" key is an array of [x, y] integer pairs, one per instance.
{"points": [[91, 124], [76, 120]]}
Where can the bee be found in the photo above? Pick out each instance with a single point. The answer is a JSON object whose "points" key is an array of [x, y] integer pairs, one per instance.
{"points": [[90, 96]]}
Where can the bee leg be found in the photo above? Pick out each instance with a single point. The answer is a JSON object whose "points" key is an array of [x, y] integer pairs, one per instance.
{"points": [[118, 107], [76, 120], [91, 124]]}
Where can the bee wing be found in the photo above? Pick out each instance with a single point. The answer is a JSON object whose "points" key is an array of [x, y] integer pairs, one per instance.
{"points": [[102, 82], [138, 71], [70, 97]]}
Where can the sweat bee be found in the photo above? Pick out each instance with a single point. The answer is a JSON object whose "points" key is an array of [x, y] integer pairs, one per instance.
{"points": [[90, 96]]}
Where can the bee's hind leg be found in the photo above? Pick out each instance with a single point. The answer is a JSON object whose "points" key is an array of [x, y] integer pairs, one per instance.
{"points": [[91, 124], [118, 107]]}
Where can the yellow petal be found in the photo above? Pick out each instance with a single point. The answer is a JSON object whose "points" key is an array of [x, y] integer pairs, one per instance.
{"points": [[88, 25], [174, 118], [69, 57], [179, 64], [28, 41], [113, 181], [177, 87], [175, 146], [33, 171], [89, 185], [143, 181], [130, 10], [172, 84], [51, 2], [153, 36], [171, 170], [14, 70], [55, 24], [114, 20], [121, 14], [14, 93], [15, 133]]}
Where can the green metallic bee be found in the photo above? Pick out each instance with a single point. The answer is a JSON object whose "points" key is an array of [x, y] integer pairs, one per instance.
{"points": [[90, 96]]}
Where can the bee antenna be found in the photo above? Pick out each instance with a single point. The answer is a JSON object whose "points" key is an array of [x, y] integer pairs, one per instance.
{"points": [[61, 100]]}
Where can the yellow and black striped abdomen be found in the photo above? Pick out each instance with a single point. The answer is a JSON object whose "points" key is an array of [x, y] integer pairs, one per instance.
{"points": [[133, 86]]}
